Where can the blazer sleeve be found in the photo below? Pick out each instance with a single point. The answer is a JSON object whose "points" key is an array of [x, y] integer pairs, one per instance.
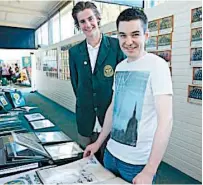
{"points": [[73, 72]]}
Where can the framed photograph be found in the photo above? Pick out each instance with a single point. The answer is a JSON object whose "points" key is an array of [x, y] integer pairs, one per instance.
{"points": [[166, 25], [34, 116], [153, 27], [196, 57], [196, 37], [166, 55], [63, 150], [196, 17], [195, 94], [52, 137], [151, 44], [40, 124], [197, 76], [164, 42]]}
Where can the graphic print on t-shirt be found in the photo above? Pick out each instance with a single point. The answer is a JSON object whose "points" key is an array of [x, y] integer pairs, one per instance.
{"points": [[130, 87]]}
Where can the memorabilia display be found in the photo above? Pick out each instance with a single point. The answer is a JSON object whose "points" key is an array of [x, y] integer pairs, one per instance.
{"points": [[63, 150], [195, 94], [34, 116], [16, 151], [32, 145], [30, 178], [166, 55], [52, 137], [196, 17], [151, 44], [16, 98], [196, 37], [41, 124], [197, 75], [164, 42], [196, 57], [84, 171], [166, 25], [153, 27], [6, 106]]}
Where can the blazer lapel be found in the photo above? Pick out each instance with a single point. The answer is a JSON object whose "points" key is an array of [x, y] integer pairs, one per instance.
{"points": [[84, 58], [103, 52]]}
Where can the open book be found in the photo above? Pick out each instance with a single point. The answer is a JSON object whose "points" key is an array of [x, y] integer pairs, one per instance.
{"points": [[84, 171]]}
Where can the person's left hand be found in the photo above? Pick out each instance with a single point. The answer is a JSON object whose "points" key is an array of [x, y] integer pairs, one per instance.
{"points": [[143, 178]]}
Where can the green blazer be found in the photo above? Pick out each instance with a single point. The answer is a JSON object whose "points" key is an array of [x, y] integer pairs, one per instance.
{"points": [[93, 91]]}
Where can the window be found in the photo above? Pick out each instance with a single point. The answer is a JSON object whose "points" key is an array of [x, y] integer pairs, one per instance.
{"points": [[67, 23], [44, 32], [55, 28]]}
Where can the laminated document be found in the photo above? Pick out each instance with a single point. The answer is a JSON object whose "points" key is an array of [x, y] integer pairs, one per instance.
{"points": [[84, 171]]}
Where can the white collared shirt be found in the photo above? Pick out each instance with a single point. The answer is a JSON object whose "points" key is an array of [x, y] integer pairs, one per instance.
{"points": [[93, 52]]}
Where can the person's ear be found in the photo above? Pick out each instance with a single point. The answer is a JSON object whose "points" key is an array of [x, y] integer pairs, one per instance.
{"points": [[147, 34]]}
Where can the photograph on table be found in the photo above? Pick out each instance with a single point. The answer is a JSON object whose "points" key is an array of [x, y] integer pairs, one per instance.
{"points": [[195, 94], [196, 57], [39, 124], [196, 17], [166, 55], [34, 116], [197, 76], [153, 27], [164, 42], [151, 44], [166, 25], [196, 37]]}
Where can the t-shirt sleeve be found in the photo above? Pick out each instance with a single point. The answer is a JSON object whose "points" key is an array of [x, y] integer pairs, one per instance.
{"points": [[161, 78]]}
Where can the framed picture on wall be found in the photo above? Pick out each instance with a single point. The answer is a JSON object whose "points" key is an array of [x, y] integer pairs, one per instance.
{"points": [[197, 76], [195, 94], [153, 27], [196, 37], [196, 17], [166, 55], [164, 42], [196, 57], [151, 44], [166, 25]]}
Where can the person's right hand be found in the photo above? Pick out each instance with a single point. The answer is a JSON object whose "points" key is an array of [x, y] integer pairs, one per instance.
{"points": [[91, 149]]}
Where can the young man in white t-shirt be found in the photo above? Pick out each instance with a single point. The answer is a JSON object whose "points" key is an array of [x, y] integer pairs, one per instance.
{"points": [[140, 114]]}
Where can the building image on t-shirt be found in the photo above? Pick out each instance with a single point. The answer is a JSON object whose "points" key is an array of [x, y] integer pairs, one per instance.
{"points": [[130, 87]]}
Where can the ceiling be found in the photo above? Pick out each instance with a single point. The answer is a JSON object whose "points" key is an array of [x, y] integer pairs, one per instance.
{"points": [[25, 13]]}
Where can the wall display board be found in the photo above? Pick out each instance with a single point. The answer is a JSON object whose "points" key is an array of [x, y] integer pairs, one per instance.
{"points": [[196, 18], [160, 41], [197, 76], [195, 94], [195, 90], [50, 64]]}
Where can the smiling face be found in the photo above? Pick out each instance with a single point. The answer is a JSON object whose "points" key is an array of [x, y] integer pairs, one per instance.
{"points": [[88, 23], [132, 38]]}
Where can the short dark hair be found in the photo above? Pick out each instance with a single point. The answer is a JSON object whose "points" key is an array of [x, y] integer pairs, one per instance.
{"points": [[133, 14], [80, 6]]}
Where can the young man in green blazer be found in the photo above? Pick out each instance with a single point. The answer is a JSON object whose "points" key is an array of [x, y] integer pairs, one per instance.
{"points": [[92, 65]]}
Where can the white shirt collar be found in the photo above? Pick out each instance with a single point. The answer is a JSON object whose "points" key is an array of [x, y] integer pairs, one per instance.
{"points": [[96, 47]]}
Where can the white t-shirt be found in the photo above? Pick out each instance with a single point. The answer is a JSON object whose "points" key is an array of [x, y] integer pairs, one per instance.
{"points": [[93, 52], [134, 114]]}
